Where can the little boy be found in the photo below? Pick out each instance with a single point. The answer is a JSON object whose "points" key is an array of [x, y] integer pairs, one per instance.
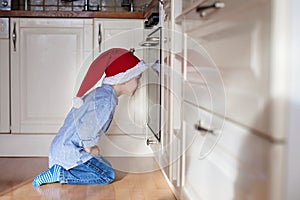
{"points": [[74, 155]]}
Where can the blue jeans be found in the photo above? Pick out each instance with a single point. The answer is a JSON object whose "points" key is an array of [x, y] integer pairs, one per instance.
{"points": [[97, 170]]}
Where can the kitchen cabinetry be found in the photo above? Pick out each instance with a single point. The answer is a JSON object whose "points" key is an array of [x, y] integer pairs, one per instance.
{"points": [[123, 33], [4, 76], [46, 55], [240, 49], [48, 59], [230, 163], [231, 142]]}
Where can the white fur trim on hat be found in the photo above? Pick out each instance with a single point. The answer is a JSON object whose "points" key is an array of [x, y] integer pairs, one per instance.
{"points": [[127, 75], [77, 102]]}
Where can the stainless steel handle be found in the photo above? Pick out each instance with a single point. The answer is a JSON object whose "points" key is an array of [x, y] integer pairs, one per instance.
{"points": [[99, 37], [14, 37], [132, 50], [149, 141], [216, 5], [199, 127], [150, 41]]}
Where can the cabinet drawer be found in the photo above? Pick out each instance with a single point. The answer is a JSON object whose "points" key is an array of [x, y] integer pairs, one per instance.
{"points": [[204, 12], [239, 165], [237, 50], [204, 87], [195, 120]]}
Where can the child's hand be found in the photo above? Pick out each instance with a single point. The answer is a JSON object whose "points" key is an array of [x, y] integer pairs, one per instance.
{"points": [[93, 150]]}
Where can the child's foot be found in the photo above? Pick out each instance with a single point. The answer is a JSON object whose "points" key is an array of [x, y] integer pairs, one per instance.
{"points": [[49, 176]]}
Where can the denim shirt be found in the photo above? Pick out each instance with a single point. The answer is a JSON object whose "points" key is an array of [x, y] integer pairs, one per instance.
{"points": [[83, 127]]}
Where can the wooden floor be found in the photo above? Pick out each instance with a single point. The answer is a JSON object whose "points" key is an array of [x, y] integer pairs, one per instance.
{"points": [[16, 176]]}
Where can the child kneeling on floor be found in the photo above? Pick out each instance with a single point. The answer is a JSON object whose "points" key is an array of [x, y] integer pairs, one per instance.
{"points": [[74, 154]]}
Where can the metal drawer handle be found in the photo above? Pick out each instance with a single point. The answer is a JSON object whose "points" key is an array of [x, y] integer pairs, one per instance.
{"points": [[216, 5], [199, 127], [150, 141]]}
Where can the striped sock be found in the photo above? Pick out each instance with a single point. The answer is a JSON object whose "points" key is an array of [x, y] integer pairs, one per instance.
{"points": [[49, 176]]}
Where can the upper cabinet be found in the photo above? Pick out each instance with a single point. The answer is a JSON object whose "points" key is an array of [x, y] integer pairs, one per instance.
{"points": [[46, 55]]}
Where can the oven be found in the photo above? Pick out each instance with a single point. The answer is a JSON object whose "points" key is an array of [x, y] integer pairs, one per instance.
{"points": [[152, 46]]}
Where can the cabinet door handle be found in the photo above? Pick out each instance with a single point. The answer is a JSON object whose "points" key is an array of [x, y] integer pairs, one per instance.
{"points": [[216, 5], [14, 37], [99, 37], [199, 127]]}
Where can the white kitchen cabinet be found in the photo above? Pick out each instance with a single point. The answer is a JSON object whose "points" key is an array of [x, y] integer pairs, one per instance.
{"points": [[46, 56], [230, 163], [130, 115], [233, 114], [228, 85], [120, 33], [239, 50], [4, 77]]}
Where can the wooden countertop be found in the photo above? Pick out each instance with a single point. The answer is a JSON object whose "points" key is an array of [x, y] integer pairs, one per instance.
{"points": [[80, 14], [72, 14]]}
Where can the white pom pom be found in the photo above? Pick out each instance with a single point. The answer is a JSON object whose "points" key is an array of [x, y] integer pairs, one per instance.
{"points": [[77, 102]]}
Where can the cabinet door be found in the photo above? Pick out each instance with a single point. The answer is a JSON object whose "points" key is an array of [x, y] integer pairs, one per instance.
{"points": [[4, 86], [46, 55], [129, 116], [120, 33]]}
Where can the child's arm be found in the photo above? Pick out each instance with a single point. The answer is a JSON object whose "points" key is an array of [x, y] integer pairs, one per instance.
{"points": [[93, 150]]}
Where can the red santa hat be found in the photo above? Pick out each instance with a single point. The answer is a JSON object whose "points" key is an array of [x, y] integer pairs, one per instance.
{"points": [[119, 66]]}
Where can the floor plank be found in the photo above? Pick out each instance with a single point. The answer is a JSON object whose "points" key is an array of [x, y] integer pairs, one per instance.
{"points": [[131, 186], [14, 171]]}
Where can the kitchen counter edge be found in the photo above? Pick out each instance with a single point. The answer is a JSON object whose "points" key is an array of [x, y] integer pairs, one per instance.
{"points": [[72, 14]]}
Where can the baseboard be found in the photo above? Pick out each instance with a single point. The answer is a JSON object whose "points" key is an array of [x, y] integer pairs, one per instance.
{"points": [[12, 145], [173, 189], [124, 145]]}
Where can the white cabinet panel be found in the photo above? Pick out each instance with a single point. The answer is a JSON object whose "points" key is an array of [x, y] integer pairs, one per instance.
{"points": [[239, 166], [235, 83], [4, 86], [194, 120], [237, 51], [120, 33], [207, 14], [45, 61], [130, 114]]}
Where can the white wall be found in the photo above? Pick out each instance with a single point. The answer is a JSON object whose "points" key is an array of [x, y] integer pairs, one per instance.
{"points": [[293, 147]]}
